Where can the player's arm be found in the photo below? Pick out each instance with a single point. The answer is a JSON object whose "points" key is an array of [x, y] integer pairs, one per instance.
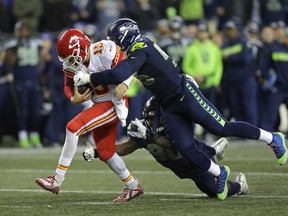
{"points": [[122, 88], [116, 75], [72, 93], [121, 72]]}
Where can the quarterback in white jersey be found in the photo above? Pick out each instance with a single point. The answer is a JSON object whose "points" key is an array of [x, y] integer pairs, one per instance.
{"points": [[109, 105]]}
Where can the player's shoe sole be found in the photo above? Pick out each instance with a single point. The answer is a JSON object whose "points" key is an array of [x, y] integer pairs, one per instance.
{"points": [[221, 183], [279, 148]]}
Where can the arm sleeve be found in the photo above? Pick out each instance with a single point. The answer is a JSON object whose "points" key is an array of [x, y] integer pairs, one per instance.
{"points": [[121, 72], [68, 87], [128, 82]]}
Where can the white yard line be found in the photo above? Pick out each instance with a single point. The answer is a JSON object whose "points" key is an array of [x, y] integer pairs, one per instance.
{"points": [[143, 172], [147, 193]]}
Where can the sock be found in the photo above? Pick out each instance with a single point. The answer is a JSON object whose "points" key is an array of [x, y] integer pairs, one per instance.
{"points": [[118, 166], [214, 169], [265, 136], [67, 154], [234, 188]]}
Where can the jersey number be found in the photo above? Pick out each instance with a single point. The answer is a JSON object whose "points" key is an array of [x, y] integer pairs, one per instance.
{"points": [[164, 54]]}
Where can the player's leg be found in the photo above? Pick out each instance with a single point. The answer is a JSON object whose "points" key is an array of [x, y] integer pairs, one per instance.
{"points": [[180, 132], [84, 122], [200, 110], [206, 183], [105, 139]]}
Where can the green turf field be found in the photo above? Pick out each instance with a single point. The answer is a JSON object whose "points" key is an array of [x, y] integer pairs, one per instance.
{"points": [[89, 188]]}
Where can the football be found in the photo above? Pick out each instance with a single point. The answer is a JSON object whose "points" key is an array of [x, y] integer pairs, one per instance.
{"points": [[83, 88]]}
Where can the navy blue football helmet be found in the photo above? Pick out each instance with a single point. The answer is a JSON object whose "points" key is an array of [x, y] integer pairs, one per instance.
{"points": [[123, 32], [151, 115]]}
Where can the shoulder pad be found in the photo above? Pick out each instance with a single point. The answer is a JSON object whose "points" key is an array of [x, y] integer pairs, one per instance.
{"points": [[138, 45]]}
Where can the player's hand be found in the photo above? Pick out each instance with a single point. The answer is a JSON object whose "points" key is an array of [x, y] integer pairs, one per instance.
{"points": [[120, 91], [90, 153], [137, 129], [79, 98], [81, 78]]}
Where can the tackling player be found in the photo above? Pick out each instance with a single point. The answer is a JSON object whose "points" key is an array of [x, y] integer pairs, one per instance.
{"points": [[76, 53], [161, 149], [181, 101]]}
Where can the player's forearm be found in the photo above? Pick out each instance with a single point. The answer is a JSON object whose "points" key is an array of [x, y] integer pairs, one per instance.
{"points": [[126, 148], [112, 76]]}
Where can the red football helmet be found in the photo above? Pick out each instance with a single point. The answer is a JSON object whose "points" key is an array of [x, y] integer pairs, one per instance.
{"points": [[72, 48]]}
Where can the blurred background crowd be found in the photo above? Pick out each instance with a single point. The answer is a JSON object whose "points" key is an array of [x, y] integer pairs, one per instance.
{"points": [[237, 51]]}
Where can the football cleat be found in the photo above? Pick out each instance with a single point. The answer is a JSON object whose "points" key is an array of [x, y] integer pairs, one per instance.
{"points": [[220, 146], [49, 184], [241, 179], [279, 148], [129, 194], [221, 182]]}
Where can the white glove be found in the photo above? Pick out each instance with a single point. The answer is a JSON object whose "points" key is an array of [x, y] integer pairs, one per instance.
{"points": [[137, 129], [89, 153], [81, 78]]}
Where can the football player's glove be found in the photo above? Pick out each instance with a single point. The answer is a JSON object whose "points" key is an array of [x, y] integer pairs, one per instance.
{"points": [[137, 129], [81, 78], [90, 153]]}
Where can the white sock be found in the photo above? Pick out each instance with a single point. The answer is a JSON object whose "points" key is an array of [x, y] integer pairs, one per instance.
{"points": [[214, 169], [23, 134], [118, 166], [265, 136], [67, 154]]}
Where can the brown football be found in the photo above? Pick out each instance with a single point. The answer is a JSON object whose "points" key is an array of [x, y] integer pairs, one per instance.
{"points": [[83, 88]]}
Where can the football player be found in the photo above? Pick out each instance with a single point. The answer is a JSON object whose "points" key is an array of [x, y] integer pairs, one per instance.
{"points": [[182, 103], [161, 149], [110, 105]]}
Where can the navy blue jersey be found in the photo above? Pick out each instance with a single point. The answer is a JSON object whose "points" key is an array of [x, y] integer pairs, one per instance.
{"points": [[154, 68], [172, 159]]}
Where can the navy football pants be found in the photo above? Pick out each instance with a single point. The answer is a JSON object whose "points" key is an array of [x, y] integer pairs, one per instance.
{"points": [[191, 106]]}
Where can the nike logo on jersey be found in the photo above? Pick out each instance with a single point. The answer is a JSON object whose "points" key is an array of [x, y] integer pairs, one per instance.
{"points": [[182, 98]]}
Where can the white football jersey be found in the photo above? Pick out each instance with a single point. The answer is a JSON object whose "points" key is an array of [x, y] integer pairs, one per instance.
{"points": [[103, 55]]}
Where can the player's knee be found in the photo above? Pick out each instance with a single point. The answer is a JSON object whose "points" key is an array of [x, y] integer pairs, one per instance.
{"points": [[105, 155], [73, 126]]}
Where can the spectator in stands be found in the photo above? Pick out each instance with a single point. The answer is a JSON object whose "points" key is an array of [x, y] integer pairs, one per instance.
{"points": [[272, 11], [28, 11], [185, 8], [177, 45], [238, 80], [277, 60], [145, 14], [55, 15], [23, 57], [82, 11]]}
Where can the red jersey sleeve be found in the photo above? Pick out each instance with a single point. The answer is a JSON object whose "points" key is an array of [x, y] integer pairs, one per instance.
{"points": [[68, 86]]}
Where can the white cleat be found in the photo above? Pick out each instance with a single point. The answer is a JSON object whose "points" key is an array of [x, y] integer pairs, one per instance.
{"points": [[241, 179], [220, 146], [129, 194], [49, 184]]}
